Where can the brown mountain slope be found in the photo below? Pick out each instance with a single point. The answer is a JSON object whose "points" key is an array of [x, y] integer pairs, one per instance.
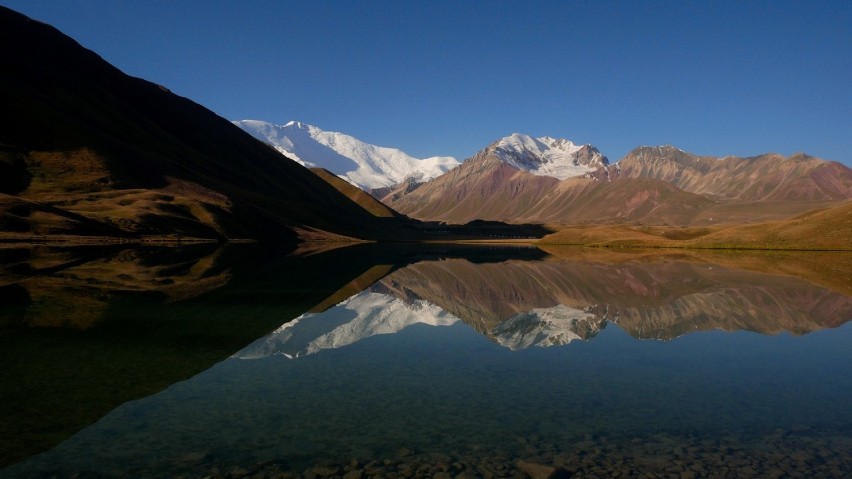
{"points": [[824, 229], [828, 229], [651, 185], [768, 177], [484, 187], [82, 136]]}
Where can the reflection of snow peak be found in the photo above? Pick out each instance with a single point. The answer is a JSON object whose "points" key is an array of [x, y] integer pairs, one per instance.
{"points": [[359, 317], [546, 327]]}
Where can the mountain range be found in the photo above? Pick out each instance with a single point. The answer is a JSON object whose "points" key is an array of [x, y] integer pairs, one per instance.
{"points": [[651, 185], [523, 179], [93, 152], [767, 177]]}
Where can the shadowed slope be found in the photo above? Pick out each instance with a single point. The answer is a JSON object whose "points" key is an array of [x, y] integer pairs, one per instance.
{"points": [[87, 138], [357, 195]]}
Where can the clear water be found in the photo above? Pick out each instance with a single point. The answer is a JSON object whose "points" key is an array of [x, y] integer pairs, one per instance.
{"points": [[598, 366]]}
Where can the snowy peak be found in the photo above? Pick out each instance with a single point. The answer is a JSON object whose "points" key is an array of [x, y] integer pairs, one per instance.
{"points": [[365, 165], [547, 156], [298, 125]]}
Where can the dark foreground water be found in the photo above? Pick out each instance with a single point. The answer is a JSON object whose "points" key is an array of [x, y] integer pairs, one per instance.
{"points": [[577, 364]]}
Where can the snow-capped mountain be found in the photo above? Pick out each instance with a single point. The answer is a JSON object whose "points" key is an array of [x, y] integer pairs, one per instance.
{"points": [[365, 165], [519, 179], [546, 156]]}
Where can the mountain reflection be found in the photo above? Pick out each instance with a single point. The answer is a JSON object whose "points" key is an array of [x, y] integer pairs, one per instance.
{"points": [[521, 304], [106, 326], [72, 290], [359, 317]]}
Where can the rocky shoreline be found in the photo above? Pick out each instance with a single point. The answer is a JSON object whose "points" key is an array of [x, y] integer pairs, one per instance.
{"points": [[782, 454]]}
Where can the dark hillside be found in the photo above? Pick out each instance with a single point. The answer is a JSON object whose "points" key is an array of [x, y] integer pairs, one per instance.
{"points": [[77, 132]]}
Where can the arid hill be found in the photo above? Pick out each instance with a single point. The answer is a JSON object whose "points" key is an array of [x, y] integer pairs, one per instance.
{"points": [[651, 185], [484, 187], [768, 177], [823, 229]]}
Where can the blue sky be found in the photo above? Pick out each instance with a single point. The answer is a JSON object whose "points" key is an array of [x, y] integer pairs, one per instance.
{"points": [[447, 78]]}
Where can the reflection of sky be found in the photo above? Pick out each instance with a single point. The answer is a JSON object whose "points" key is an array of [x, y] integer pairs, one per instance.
{"points": [[448, 388]]}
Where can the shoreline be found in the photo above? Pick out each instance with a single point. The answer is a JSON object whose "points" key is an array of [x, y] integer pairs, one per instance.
{"points": [[11, 241]]}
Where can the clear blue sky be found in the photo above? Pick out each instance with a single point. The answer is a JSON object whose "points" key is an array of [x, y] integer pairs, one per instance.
{"points": [[447, 78]]}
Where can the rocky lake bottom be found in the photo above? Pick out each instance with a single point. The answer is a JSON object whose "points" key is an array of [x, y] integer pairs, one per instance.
{"points": [[794, 454]]}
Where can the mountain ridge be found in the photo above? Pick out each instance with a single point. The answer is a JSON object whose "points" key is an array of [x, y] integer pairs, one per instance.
{"points": [[652, 185], [362, 164], [769, 176], [486, 187]]}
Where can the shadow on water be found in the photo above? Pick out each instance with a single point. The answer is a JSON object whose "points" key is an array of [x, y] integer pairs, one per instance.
{"points": [[84, 329]]}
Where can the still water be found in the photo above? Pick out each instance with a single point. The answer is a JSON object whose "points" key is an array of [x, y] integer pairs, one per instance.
{"points": [[455, 362]]}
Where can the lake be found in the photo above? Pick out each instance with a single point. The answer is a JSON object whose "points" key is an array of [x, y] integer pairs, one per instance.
{"points": [[414, 361]]}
